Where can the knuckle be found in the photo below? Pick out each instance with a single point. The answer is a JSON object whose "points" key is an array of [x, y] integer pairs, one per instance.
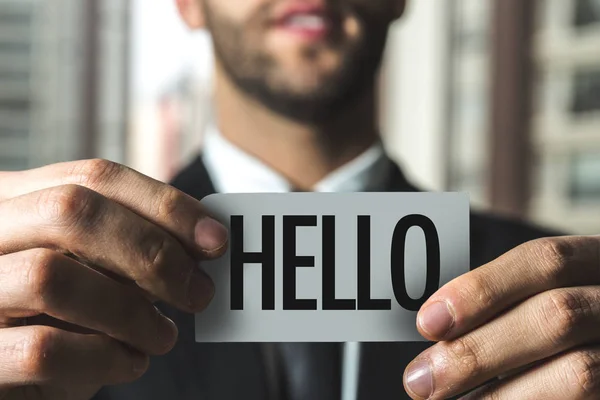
{"points": [[478, 290], [37, 353], [155, 256], [555, 253], [69, 206], [168, 203], [93, 173], [40, 274], [466, 358], [564, 311], [583, 374]]}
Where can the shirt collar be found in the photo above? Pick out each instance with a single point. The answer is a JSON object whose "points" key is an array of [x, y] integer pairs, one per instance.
{"points": [[234, 171]]}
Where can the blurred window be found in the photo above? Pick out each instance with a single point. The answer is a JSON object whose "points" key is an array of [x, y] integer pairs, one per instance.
{"points": [[587, 12], [13, 133], [470, 93], [15, 105], [584, 171], [16, 21], [566, 121], [9, 48], [586, 91], [15, 17], [21, 76], [20, 18]]}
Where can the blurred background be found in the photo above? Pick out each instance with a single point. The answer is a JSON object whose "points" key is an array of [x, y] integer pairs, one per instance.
{"points": [[500, 98]]}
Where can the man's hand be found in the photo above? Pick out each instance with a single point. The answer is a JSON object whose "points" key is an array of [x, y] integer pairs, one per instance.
{"points": [[85, 248], [530, 318]]}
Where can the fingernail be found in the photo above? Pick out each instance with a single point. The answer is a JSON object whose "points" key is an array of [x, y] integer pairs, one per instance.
{"points": [[211, 235], [419, 379], [201, 291], [437, 319], [167, 331]]}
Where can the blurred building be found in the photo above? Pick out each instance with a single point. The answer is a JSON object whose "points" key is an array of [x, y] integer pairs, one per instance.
{"points": [[437, 95], [415, 88], [63, 81], [469, 100], [566, 121], [501, 98], [16, 24], [525, 109]]}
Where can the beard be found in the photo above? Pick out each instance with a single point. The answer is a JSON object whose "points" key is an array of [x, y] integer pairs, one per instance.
{"points": [[260, 76]]}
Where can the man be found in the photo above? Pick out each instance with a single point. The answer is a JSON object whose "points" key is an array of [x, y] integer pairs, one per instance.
{"points": [[86, 247]]}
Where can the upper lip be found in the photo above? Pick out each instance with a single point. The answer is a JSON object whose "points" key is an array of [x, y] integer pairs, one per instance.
{"points": [[297, 7]]}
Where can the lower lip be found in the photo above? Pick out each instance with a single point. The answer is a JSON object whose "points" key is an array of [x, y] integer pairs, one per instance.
{"points": [[304, 33]]}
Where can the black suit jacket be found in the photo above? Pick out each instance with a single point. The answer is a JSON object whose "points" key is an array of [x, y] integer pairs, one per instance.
{"points": [[232, 371]]}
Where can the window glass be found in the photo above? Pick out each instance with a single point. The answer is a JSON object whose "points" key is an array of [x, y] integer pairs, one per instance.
{"points": [[15, 105], [586, 91], [585, 178], [587, 12], [13, 132]]}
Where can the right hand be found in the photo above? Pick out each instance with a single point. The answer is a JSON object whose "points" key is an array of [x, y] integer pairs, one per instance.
{"points": [[85, 248]]}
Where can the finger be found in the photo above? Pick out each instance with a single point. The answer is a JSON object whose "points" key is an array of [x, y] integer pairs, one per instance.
{"points": [[45, 355], [179, 214], [571, 376], [45, 282], [102, 233], [472, 299], [537, 329]]}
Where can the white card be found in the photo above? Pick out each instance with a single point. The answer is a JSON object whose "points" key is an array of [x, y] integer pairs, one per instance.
{"points": [[295, 260]]}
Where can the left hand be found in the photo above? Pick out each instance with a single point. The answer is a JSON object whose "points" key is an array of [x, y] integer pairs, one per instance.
{"points": [[530, 318]]}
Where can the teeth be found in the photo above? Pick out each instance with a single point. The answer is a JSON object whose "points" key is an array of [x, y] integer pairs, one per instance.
{"points": [[306, 22]]}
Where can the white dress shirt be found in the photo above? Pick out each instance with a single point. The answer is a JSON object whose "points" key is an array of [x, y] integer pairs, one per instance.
{"points": [[234, 171]]}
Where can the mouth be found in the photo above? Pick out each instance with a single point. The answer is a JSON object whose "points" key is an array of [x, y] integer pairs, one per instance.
{"points": [[311, 22]]}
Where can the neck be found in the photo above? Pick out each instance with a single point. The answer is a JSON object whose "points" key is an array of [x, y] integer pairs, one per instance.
{"points": [[303, 153]]}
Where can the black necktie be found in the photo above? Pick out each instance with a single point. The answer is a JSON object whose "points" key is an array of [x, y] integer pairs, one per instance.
{"points": [[310, 371]]}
